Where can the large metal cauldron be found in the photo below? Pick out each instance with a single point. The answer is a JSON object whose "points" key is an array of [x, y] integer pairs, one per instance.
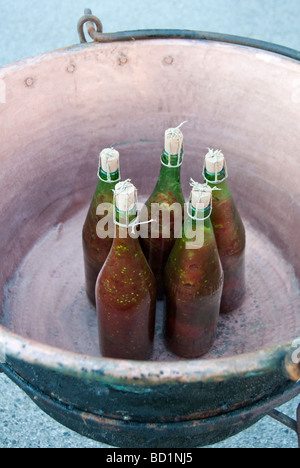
{"points": [[57, 112]]}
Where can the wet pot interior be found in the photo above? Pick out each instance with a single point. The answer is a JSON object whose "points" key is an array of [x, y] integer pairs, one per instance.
{"points": [[62, 108]]}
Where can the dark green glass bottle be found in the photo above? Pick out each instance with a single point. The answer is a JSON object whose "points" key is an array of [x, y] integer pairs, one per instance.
{"points": [[194, 282], [167, 198], [97, 240], [126, 289], [229, 231]]}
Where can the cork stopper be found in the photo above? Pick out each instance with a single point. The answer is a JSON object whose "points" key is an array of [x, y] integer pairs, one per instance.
{"points": [[214, 161], [110, 160], [201, 196], [173, 141], [125, 196]]}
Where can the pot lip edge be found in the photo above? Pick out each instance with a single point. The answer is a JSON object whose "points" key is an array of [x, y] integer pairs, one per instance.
{"points": [[163, 34], [142, 372], [231, 39]]}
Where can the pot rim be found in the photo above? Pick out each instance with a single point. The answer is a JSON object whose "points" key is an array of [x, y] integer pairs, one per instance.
{"points": [[148, 34], [112, 371], [168, 34]]}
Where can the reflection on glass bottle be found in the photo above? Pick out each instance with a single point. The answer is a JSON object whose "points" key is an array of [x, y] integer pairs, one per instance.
{"points": [[168, 197], [194, 281], [96, 245], [126, 289], [229, 231]]}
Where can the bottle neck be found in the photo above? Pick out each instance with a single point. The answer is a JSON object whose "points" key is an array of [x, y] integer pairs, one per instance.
{"points": [[215, 179], [109, 177], [172, 161], [199, 217], [123, 224], [198, 229], [170, 173]]}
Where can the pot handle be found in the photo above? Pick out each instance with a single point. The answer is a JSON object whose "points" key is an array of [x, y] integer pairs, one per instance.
{"points": [[292, 361], [91, 21]]}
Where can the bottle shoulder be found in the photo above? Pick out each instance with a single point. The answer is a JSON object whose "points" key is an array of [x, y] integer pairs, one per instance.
{"points": [[127, 255], [195, 271], [166, 197], [126, 278], [168, 187], [222, 189], [104, 189], [197, 240], [167, 193], [103, 194]]}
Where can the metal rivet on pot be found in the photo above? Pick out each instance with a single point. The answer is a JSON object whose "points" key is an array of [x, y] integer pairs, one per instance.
{"points": [[123, 59], [168, 60], [71, 68], [29, 82]]}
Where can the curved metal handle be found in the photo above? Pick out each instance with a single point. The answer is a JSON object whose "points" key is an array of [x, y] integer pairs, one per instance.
{"points": [[292, 361], [91, 21]]}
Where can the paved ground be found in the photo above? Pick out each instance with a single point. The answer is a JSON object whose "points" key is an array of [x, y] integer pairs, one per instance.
{"points": [[32, 27]]}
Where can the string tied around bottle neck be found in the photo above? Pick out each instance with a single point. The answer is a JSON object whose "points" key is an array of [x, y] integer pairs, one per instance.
{"points": [[198, 192], [129, 205], [214, 164]]}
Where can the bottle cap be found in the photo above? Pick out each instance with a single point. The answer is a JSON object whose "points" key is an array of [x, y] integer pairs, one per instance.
{"points": [[125, 196], [214, 161], [173, 141], [109, 160], [201, 196]]}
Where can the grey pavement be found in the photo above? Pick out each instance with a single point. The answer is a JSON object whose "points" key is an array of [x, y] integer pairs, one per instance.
{"points": [[32, 27]]}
